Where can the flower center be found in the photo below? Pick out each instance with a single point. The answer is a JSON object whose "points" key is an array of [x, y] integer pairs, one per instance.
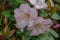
{"points": [[37, 25], [26, 16]]}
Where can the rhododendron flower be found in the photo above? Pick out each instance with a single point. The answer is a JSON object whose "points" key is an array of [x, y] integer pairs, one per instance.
{"points": [[40, 26], [24, 16], [39, 4], [57, 26]]}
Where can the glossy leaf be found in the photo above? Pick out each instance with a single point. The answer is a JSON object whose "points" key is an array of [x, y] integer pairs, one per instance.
{"points": [[43, 37], [51, 38], [52, 32], [6, 13], [55, 16], [43, 13]]}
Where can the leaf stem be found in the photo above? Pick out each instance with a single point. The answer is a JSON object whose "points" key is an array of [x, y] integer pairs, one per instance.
{"points": [[1, 18], [23, 37]]}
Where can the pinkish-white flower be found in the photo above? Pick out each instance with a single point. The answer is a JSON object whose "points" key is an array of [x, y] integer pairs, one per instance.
{"points": [[24, 15], [39, 4], [40, 26]]}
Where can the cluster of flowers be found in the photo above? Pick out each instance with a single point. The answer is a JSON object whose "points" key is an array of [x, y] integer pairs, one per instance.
{"points": [[41, 4], [27, 16]]}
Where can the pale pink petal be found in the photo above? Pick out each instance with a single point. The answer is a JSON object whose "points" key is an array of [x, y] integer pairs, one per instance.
{"points": [[44, 6], [18, 13], [48, 22], [19, 27], [32, 1], [34, 33], [21, 24], [30, 24], [24, 7], [33, 12]]}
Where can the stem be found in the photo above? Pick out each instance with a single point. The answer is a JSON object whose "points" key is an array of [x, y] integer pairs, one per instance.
{"points": [[1, 19], [23, 37]]}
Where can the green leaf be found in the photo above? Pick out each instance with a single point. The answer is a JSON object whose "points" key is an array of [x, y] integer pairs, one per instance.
{"points": [[57, 0], [13, 3], [33, 38], [27, 34], [58, 6], [11, 17], [52, 32], [20, 1], [6, 13], [43, 37], [1, 1], [1, 33], [43, 13], [51, 38], [55, 16]]}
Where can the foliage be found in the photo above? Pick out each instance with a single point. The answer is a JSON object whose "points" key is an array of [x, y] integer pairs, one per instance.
{"points": [[7, 21]]}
